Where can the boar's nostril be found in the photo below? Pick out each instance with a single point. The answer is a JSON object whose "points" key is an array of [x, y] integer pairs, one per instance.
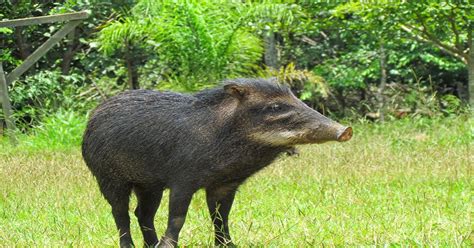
{"points": [[345, 134]]}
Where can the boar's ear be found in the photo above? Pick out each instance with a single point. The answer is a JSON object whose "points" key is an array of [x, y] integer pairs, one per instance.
{"points": [[236, 90]]}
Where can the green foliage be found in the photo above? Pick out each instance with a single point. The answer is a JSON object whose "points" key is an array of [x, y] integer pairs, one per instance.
{"points": [[304, 83], [62, 130], [352, 70], [44, 94], [446, 23], [276, 16], [352, 35], [442, 62], [451, 104], [195, 43], [190, 45], [6, 31]]}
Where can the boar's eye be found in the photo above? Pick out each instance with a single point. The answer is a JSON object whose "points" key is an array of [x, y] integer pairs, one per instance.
{"points": [[275, 107]]}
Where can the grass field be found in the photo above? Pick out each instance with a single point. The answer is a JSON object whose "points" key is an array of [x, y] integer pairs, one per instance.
{"points": [[404, 183]]}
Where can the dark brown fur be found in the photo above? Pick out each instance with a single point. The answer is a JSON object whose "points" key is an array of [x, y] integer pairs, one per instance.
{"points": [[147, 141]]}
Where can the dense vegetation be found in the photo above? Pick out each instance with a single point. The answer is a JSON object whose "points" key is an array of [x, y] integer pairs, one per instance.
{"points": [[345, 59]]}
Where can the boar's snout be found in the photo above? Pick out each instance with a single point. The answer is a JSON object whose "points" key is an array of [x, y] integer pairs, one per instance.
{"points": [[344, 134], [331, 131], [323, 129]]}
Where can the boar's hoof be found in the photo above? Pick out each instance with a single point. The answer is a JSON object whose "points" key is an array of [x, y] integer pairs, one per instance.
{"points": [[166, 242]]}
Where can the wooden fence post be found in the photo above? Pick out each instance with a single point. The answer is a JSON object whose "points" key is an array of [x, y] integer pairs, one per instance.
{"points": [[41, 50], [73, 20], [7, 108]]}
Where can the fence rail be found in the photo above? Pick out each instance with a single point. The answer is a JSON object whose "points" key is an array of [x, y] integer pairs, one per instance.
{"points": [[43, 19], [72, 19]]}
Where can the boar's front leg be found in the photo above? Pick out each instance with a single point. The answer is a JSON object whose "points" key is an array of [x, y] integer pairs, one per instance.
{"points": [[178, 207], [219, 201]]}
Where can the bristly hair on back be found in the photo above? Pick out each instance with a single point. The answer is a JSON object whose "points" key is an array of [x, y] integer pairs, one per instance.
{"points": [[269, 87]]}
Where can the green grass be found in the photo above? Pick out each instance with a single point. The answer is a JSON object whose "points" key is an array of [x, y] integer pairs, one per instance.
{"points": [[404, 183]]}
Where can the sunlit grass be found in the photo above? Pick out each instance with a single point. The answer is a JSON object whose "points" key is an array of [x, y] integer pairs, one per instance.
{"points": [[403, 183]]}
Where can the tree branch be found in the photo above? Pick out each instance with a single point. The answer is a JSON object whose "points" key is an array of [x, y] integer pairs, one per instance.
{"points": [[452, 21], [435, 40], [429, 38], [470, 46]]}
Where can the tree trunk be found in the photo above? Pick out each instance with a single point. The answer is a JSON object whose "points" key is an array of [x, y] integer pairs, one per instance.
{"points": [[340, 99], [23, 47], [383, 81], [131, 69], [470, 68], [462, 91], [69, 54], [271, 53], [6, 106]]}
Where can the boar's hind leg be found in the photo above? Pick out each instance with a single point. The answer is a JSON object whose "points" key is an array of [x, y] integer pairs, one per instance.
{"points": [[148, 203], [219, 201], [178, 207], [118, 196]]}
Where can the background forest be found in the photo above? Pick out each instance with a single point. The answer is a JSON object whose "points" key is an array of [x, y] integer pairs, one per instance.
{"points": [[379, 61]]}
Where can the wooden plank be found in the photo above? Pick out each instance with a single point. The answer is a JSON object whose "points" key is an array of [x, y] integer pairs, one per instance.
{"points": [[40, 51], [44, 19], [7, 108]]}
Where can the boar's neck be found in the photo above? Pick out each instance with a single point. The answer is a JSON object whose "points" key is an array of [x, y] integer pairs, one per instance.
{"points": [[211, 97], [234, 157], [238, 158]]}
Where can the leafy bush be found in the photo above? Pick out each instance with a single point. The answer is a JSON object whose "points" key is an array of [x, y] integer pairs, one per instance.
{"points": [[305, 84], [59, 131], [352, 70], [194, 43], [451, 104], [46, 93]]}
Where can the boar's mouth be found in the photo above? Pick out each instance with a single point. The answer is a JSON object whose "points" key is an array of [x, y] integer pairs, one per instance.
{"points": [[335, 133], [315, 136], [278, 138]]}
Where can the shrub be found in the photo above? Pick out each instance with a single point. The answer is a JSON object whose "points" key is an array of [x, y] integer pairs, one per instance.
{"points": [[45, 93]]}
